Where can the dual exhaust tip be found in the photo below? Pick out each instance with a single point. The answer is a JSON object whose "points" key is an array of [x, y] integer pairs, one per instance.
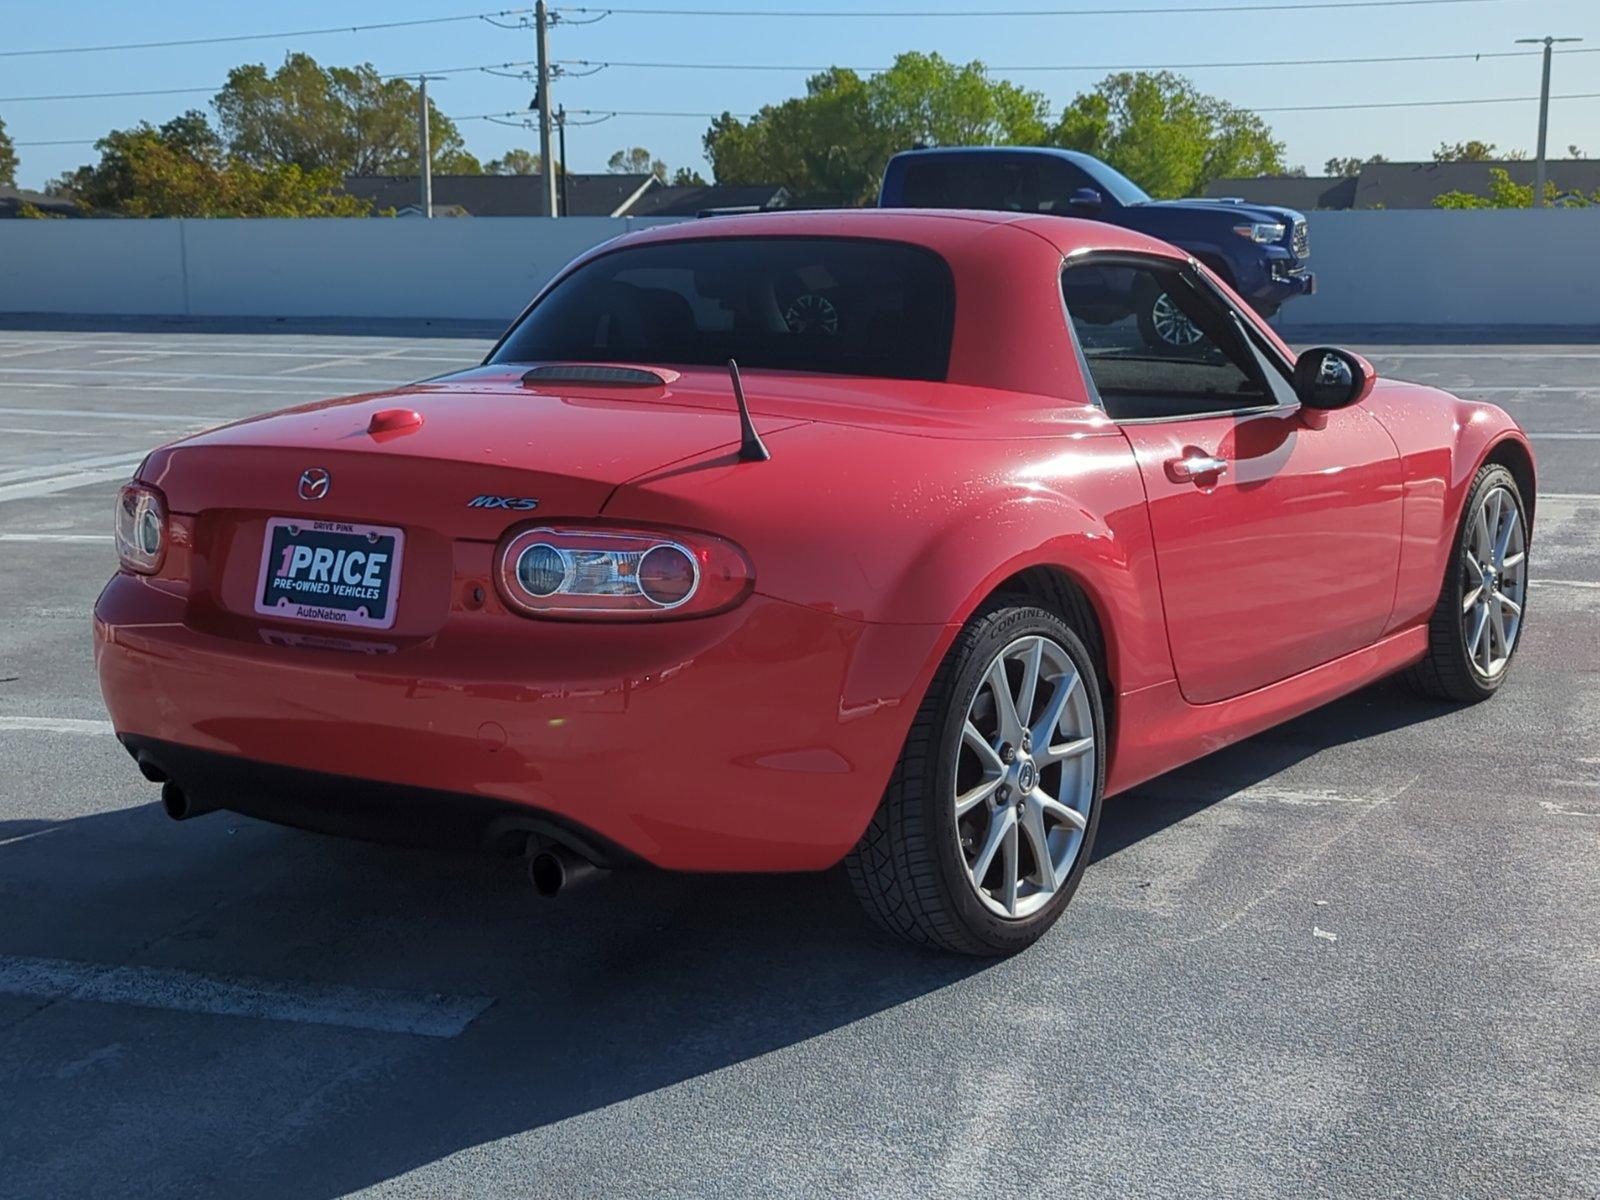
{"points": [[552, 868]]}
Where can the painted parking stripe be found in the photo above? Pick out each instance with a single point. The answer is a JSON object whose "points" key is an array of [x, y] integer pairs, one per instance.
{"points": [[62, 466], [1565, 437], [53, 725], [58, 539], [419, 1014], [186, 376], [30, 489], [112, 415]]}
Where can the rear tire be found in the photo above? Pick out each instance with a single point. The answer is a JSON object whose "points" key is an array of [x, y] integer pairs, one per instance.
{"points": [[1459, 667], [914, 868]]}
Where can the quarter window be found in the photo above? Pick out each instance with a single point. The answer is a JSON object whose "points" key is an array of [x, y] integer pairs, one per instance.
{"points": [[1156, 345]]}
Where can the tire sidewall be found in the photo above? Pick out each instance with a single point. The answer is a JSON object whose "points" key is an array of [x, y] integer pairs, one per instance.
{"points": [[1003, 627], [1491, 476]]}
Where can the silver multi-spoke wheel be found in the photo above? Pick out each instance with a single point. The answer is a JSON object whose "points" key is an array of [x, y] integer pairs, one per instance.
{"points": [[1171, 324], [1025, 777], [1494, 581]]}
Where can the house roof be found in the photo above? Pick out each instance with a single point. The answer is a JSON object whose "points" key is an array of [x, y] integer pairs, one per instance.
{"points": [[12, 199], [670, 200], [600, 195], [1301, 192], [1414, 185]]}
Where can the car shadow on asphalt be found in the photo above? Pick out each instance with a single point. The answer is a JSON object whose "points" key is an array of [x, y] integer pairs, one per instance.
{"points": [[630, 985]]}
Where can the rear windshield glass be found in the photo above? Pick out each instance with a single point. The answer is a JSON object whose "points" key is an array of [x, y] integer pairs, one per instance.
{"points": [[839, 306]]}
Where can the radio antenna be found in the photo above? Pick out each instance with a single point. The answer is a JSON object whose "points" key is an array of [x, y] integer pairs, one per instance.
{"points": [[751, 447]]}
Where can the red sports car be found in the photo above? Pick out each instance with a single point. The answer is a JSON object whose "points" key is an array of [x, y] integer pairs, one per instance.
{"points": [[759, 543]]}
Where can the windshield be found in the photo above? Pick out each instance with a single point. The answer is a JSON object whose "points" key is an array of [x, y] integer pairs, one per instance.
{"points": [[841, 306], [1120, 186]]}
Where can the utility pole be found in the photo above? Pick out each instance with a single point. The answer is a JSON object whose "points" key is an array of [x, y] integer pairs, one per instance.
{"points": [[561, 124], [542, 100], [1544, 111], [427, 147]]}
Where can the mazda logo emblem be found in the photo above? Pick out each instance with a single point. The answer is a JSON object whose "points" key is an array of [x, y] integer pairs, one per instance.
{"points": [[314, 483]]}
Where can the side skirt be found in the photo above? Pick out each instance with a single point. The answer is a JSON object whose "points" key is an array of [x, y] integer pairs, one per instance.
{"points": [[1157, 730]]}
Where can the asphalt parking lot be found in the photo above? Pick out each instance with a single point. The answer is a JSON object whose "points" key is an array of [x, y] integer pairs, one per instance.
{"points": [[1355, 956]]}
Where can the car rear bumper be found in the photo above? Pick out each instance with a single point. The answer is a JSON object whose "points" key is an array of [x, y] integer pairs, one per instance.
{"points": [[757, 739]]}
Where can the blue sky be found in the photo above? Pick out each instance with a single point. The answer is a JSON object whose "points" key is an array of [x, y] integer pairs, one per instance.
{"points": [[1332, 37]]}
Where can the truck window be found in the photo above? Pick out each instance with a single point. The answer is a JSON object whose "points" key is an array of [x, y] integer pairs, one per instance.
{"points": [[1040, 184]]}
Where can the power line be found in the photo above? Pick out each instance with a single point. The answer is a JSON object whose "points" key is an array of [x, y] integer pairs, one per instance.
{"points": [[606, 113], [258, 37], [1458, 56], [1168, 10], [432, 73], [709, 116]]}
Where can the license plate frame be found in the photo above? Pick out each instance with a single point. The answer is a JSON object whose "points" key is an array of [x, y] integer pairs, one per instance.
{"points": [[322, 605]]}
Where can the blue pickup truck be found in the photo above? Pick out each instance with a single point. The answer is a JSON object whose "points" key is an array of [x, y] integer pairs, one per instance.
{"points": [[1260, 251]]}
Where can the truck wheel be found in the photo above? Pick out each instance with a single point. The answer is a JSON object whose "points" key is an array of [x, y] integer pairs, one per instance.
{"points": [[1162, 324], [989, 819]]}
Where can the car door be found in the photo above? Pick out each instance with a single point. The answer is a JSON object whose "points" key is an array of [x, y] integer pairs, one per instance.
{"points": [[1277, 529]]}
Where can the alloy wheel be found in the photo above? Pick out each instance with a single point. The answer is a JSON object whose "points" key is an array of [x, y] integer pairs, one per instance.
{"points": [[1494, 587], [1172, 324], [1024, 777]]}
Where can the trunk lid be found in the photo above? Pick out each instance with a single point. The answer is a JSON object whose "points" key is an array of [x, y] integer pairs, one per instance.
{"points": [[533, 453]]}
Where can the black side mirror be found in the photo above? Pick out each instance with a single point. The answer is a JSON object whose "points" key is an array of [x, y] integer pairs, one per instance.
{"points": [[1085, 200], [1328, 377]]}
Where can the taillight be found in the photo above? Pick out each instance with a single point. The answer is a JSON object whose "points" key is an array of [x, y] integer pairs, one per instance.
{"points": [[141, 528], [620, 574]]}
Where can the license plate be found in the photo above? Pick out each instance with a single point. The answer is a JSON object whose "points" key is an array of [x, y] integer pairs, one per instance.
{"points": [[332, 572]]}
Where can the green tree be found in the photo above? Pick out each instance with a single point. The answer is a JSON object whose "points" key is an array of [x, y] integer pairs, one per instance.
{"points": [[688, 177], [1505, 192], [636, 161], [8, 159], [1165, 134], [1473, 151], [514, 162], [832, 143], [349, 120], [181, 169], [1351, 165]]}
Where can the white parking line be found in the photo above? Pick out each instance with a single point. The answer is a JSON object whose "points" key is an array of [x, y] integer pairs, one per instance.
{"points": [[419, 1014], [185, 376], [65, 483], [42, 470], [1572, 583], [114, 386], [1564, 437], [67, 538], [113, 415], [53, 725]]}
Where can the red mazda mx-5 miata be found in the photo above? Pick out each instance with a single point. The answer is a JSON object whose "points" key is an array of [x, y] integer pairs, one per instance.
{"points": [[759, 543]]}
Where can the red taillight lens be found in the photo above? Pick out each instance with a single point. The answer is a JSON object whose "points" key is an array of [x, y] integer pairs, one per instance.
{"points": [[141, 528], [620, 574]]}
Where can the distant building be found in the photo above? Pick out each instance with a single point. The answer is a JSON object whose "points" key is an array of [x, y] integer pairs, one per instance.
{"points": [[1403, 184], [598, 195], [1301, 192], [12, 201]]}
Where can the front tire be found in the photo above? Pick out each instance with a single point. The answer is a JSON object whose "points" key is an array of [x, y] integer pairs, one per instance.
{"points": [[990, 817], [1477, 625]]}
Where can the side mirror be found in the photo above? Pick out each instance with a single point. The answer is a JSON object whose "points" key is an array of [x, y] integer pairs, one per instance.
{"points": [[1328, 377], [1086, 200]]}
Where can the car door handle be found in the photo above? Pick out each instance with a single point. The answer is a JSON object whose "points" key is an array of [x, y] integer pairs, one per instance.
{"points": [[1194, 466]]}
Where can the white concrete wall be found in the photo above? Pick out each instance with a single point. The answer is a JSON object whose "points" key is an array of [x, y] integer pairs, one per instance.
{"points": [[1427, 267], [1453, 267], [462, 267]]}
